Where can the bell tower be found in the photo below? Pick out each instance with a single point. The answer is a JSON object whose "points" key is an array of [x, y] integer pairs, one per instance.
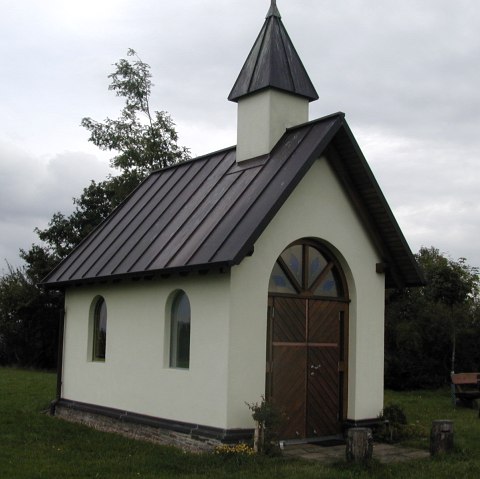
{"points": [[273, 90]]}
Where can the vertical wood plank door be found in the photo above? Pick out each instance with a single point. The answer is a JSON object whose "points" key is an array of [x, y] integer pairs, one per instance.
{"points": [[306, 358], [289, 355], [324, 382], [306, 374]]}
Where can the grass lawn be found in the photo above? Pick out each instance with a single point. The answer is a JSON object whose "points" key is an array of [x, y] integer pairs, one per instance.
{"points": [[34, 445]]}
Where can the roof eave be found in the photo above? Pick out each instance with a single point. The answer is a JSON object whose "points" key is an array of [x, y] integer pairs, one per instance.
{"points": [[395, 276], [237, 98], [220, 268]]}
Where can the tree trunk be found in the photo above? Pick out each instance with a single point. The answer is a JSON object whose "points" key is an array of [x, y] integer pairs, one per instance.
{"points": [[441, 437], [259, 438], [359, 444]]}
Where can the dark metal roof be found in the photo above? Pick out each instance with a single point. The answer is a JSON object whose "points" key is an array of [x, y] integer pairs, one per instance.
{"points": [[207, 213], [273, 10], [273, 63]]}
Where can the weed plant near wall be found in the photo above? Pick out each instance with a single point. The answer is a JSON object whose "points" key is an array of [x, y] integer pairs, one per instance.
{"points": [[268, 420]]}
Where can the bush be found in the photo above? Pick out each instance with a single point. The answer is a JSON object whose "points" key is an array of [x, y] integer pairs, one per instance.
{"points": [[395, 426], [394, 414], [268, 420]]}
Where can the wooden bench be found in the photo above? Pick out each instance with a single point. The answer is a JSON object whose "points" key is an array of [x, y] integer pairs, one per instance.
{"points": [[466, 387]]}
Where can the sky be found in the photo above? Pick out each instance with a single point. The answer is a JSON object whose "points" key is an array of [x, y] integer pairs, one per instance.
{"points": [[406, 74]]}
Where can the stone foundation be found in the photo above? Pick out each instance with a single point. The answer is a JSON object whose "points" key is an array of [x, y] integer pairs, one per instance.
{"points": [[129, 428]]}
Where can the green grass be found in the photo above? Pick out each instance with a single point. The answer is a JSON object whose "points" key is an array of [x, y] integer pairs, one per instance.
{"points": [[422, 407], [34, 445]]}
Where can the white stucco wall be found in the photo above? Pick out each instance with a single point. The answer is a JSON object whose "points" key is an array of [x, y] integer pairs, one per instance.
{"points": [[228, 329], [135, 375], [262, 119], [317, 208]]}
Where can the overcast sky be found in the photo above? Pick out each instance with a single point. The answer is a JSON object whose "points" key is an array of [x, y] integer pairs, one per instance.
{"points": [[406, 73]]}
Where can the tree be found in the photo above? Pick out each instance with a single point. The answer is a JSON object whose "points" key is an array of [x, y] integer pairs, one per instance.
{"points": [[452, 283], [145, 140], [419, 324], [29, 315], [142, 140]]}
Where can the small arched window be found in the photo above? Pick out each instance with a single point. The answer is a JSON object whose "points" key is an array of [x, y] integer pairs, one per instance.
{"points": [[180, 332], [99, 330]]}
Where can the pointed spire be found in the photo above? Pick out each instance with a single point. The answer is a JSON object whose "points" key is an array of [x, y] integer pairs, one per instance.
{"points": [[273, 63], [273, 12]]}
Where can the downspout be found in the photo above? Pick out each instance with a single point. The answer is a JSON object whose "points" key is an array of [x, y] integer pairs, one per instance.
{"points": [[61, 326]]}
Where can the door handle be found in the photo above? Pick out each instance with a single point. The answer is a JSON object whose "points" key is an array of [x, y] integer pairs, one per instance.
{"points": [[318, 366]]}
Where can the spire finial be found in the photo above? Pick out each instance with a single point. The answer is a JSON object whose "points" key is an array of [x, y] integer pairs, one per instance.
{"points": [[273, 12]]}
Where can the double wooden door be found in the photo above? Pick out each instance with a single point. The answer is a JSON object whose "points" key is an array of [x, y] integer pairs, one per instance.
{"points": [[306, 367]]}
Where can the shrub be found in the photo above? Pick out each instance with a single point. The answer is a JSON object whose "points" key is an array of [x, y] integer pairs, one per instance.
{"points": [[395, 426], [268, 420], [394, 414]]}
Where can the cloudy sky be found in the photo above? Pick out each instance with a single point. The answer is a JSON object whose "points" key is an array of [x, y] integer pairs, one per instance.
{"points": [[406, 73]]}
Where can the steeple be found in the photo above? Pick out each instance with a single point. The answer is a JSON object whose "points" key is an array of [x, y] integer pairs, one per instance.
{"points": [[272, 91], [273, 62], [273, 12]]}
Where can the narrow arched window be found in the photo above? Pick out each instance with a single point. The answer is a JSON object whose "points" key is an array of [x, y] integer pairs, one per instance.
{"points": [[180, 332], [99, 330]]}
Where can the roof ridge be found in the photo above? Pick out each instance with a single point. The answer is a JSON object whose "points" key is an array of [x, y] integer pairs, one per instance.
{"points": [[339, 114]]}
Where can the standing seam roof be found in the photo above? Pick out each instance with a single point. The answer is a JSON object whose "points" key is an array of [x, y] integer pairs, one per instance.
{"points": [[209, 212]]}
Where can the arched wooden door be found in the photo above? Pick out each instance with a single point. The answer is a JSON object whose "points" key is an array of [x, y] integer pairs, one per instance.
{"points": [[307, 341]]}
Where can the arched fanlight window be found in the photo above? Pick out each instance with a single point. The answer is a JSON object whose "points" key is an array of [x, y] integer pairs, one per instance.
{"points": [[180, 332], [307, 269], [99, 330]]}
